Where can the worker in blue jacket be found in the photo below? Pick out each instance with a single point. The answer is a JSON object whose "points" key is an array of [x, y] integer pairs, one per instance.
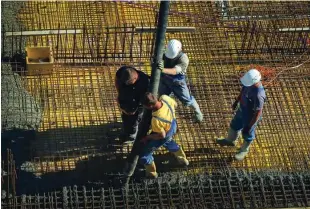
{"points": [[251, 101]]}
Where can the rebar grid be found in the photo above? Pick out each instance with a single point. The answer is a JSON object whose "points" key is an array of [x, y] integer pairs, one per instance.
{"points": [[81, 120], [223, 190], [8, 176]]}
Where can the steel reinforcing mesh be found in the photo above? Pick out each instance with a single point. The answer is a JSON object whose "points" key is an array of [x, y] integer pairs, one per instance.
{"points": [[81, 119]]}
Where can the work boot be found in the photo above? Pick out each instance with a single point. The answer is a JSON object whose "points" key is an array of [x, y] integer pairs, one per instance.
{"points": [[150, 170], [243, 151], [181, 157], [231, 138], [198, 113]]}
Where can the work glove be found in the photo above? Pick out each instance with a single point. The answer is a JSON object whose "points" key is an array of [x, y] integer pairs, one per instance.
{"points": [[160, 66], [234, 105]]}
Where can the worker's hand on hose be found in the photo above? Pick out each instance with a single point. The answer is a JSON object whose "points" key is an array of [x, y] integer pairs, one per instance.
{"points": [[123, 111], [246, 130], [160, 66], [131, 113], [128, 113], [234, 105], [144, 140]]}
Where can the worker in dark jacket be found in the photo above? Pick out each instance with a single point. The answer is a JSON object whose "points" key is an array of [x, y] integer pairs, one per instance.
{"points": [[251, 100], [131, 85], [173, 77]]}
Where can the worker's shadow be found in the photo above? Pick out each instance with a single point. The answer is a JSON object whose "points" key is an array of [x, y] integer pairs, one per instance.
{"points": [[95, 171], [73, 142], [105, 171], [66, 156], [106, 165], [198, 158]]}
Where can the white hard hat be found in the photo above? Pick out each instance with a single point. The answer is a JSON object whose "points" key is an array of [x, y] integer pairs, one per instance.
{"points": [[173, 48], [251, 77]]}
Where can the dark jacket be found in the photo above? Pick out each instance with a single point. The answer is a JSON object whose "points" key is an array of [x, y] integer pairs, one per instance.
{"points": [[130, 96]]}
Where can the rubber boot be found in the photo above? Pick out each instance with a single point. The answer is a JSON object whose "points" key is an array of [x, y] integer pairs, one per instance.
{"points": [[231, 138], [150, 170], [198, 113], [243, 151], [181, 157]]}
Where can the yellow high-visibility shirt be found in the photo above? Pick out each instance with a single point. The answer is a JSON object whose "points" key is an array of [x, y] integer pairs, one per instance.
{"points": [[164, 113]]}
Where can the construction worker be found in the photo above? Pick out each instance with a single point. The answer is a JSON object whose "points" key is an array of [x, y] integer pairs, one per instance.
{"points": [[163, 127], [131, 85], [251, 100], [173, 76]]}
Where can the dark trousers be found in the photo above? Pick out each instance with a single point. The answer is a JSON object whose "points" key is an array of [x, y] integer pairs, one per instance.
{"points": [[131, 122]]}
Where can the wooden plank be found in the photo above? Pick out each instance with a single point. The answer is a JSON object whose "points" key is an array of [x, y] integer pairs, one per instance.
{"points": [[43, 32], [79, 31], [294, 29]]}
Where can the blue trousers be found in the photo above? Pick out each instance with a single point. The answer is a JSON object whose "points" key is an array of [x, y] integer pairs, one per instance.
{"points": [[146, 156], [178, 87], [241, 120]]}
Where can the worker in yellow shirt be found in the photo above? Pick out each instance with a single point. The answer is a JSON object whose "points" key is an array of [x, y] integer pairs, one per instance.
{"points": [[163, 127]]}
